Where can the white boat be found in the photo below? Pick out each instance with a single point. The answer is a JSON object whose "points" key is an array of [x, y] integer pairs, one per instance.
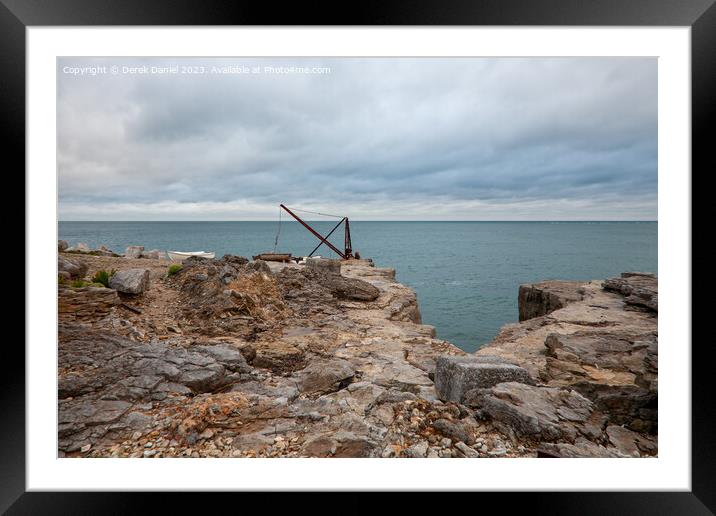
{"points": [[178, 256]]}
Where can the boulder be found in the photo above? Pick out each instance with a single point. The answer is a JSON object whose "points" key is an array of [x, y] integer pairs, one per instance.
{"points": [[154, 254], [537, 299], [103, 251], [134, 251], [80, 247], [75, 268], [62, 245], [130, 281], [456, 375], [347, 288]]}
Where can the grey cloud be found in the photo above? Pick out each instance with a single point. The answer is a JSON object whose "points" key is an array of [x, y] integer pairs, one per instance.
{"points": [[487, 138]]}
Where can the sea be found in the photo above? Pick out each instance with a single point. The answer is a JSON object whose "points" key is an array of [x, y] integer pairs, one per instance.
{"points": [[466, 274]]}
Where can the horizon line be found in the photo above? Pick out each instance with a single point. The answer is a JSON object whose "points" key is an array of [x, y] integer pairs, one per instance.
{"points": [[375, 220]]}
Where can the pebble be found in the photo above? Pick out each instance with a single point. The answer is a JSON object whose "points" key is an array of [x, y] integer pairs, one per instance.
{"points": [[150, 453], [466, 450], [86, 448], [497, 452]]}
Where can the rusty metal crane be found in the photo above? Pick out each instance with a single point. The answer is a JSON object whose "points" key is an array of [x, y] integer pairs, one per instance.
{"points": [[347, 252]]}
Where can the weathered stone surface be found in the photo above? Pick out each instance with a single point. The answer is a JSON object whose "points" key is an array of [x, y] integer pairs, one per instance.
{"points": [[130, 281], [538, 299], [85, 302], [455, 430], [104, 376], [630, 443], [80, 247], [581, 448], [75, 268], [62, 245], [324, 265], [180, 384], [466, 451], [639, 288], [541, 412], [454, 376], [325, 376], [616, 371], [340, 444], [417, 451], [154, 254], [134, 251]]}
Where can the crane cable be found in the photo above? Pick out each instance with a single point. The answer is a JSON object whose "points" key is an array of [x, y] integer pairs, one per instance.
{"points": [[318, 213], [278, 232]]}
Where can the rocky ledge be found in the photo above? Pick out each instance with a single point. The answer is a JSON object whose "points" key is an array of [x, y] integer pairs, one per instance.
{"points": [[232, 358]]}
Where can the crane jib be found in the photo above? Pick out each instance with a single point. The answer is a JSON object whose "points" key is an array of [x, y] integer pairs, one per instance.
{"points": [[346, 253]]}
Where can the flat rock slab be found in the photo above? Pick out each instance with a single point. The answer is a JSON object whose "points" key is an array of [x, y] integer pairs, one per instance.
{"points": [[544, 413], [640, 289], [455, 375], [324, 265], [539, 299]]}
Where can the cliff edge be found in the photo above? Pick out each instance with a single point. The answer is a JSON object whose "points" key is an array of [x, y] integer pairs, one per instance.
{"points": [[237, 358]]}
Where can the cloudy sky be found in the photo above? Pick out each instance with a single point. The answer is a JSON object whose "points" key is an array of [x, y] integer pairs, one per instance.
{"points": [[376, 139]]}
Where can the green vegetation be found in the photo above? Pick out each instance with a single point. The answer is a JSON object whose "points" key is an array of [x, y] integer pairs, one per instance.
{"points": [[60, 279], [78, 283], [173, 269], [102, 277]]}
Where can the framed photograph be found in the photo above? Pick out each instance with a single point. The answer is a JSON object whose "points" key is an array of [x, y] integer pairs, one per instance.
{"points": [[300, 252]]}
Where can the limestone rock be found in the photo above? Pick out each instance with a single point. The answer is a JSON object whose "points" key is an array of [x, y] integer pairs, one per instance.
{"points": [[617, 371], [154, 254], [80, 247], [581, 448], [124, 373], [75, 268], [85, 302], [630, 443], [325, 376], [542, 298], [62, 245], [454, 430], [324, 265], [134, 251], [130, 281], [466, 451], [546, 413], [454, 376], [417, 451], [639, 288]]}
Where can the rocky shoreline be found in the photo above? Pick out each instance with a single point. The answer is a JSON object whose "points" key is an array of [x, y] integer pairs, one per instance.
{"points": [[237, 358]]}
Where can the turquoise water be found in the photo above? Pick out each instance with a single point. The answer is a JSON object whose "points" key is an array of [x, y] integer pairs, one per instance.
{"points": [[466, 274]]}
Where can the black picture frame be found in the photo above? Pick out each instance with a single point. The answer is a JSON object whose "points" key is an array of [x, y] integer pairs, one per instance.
{"points": [[700, 15]]}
